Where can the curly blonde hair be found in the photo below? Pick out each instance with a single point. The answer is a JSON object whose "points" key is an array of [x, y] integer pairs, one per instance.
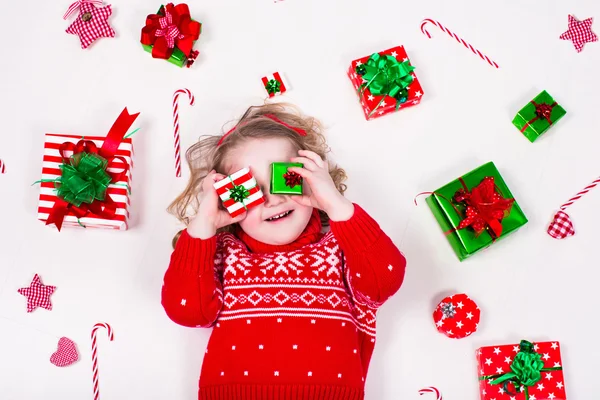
{"points": [[207, 154]]}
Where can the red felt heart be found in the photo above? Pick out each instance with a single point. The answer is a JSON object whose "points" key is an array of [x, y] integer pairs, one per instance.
{"points": [[66, 353], [561, 226]]}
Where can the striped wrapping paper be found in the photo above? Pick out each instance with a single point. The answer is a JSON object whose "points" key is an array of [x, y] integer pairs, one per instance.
{"points": [[241, 178], [275, 76], [119, 194]]}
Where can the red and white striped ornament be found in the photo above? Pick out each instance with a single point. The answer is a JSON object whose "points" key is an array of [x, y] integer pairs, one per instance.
{"points": [[458, 39], [431, 389], [176, 135], [561, 226], [95, 354], [2, 167], [245, 179], [276, 76]]}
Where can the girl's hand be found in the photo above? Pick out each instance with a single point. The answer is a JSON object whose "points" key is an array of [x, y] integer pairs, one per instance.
{"points": [[322, 194], [210, 217]]}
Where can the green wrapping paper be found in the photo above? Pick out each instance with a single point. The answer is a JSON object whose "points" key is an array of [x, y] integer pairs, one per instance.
{"points": [[285, 182], [467, 241], [177, 58], [538, 116]]}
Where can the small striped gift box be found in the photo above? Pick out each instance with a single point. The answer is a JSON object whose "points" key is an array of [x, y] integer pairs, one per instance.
{"points": [[118, 191], [274, 84], [239, 192]]}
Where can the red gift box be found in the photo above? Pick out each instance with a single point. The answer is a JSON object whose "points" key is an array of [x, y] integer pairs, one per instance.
{"points": [[377, 105], [529, 371]]}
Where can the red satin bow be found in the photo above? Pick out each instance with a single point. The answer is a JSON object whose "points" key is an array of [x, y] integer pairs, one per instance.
{"points": [[107, 208], [292, 179], [485, 207], [171, 28]]}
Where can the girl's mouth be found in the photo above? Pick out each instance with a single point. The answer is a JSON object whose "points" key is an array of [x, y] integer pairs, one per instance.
{"points": [[279, 217]]}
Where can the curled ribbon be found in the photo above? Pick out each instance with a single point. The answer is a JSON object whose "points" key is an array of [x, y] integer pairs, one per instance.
{"points": [[386, 76], [273, 86], [77, 4], [81, 188], [542, 111], [171, 28], [485, 207], [292, 179], [526, 370]]}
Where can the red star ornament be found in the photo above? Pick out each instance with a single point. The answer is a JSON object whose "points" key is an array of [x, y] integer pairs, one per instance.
{"points": [[580, 32], [38, 294], [91, 24], [457, 316]]}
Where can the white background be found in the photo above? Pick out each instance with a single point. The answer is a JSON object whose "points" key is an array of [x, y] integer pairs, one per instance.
{"points": [[528, 286]]}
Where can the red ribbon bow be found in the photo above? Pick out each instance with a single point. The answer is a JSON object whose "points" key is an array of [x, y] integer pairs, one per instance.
{"points": [[485, 207], [542, 111], [292, 179], [171, 28], [107, 208]]}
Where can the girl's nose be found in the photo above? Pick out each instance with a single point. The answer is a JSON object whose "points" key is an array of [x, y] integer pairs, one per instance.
{"points": [[273, 200]]}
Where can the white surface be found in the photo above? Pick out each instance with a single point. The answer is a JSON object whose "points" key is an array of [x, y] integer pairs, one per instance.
{"points": [[528, 286]]}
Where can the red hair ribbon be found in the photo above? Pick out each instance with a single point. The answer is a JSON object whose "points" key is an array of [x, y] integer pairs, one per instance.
{"points": [[299, 131]]}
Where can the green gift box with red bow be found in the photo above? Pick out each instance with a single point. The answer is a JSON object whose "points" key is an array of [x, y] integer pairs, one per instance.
{"points": [[385, 82], [525, 371], [170, 34], [476, 210], [538, 116]]}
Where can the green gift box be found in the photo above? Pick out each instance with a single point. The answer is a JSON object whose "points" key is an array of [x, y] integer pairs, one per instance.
{"points": [[192, 30], [476, 210], [284, 181], [538, 116]]}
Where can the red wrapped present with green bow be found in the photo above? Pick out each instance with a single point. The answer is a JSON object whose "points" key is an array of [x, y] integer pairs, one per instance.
{"points": [[86, 181], [476, 210], [239, 192], [525, 371], [385, 82], [170, 34]]}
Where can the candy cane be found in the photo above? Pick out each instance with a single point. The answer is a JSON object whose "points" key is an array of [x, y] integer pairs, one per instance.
{"points": [[431, 390], [580, 194], [95, 354], [176, 126], [2, 168], [458, 39]]}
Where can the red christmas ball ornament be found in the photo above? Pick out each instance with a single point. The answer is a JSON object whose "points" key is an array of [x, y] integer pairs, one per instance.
{"points": [[457, 316]]}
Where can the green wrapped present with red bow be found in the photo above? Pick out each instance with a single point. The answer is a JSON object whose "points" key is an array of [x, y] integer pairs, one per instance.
{"points": [[538, 116], [284, 182], [476, 210], [86, 181], [385, 82], [525, 371], [170, 34]]}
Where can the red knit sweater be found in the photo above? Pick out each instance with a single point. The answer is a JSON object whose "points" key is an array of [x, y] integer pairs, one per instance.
{"points": [[289, 322]]}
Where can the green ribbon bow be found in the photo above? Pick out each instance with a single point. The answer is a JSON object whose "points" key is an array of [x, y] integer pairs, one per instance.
{"points": [[83, 179], [386, 76], [273, 86], [526, 370], [239, 193]]}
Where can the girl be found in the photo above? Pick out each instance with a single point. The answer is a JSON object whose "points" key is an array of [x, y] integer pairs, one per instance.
{"points": [[292, 309]]}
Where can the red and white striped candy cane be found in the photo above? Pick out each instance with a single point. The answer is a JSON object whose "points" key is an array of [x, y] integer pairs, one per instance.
{"points": [[431, 389], [77, 4], [580, 194], [95, 354], [458, 39], [2, 168], [176, 126]]}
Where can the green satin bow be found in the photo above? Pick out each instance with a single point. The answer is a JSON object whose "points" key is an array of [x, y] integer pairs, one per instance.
{"points": [[386, 76], [526, 370], [83, 179], [273, 86], [239, 193]]}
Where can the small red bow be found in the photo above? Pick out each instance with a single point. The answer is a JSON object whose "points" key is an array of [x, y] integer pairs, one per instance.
{"points": [[171, 28], [544, 111], [485, 207], [292, 179]]}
